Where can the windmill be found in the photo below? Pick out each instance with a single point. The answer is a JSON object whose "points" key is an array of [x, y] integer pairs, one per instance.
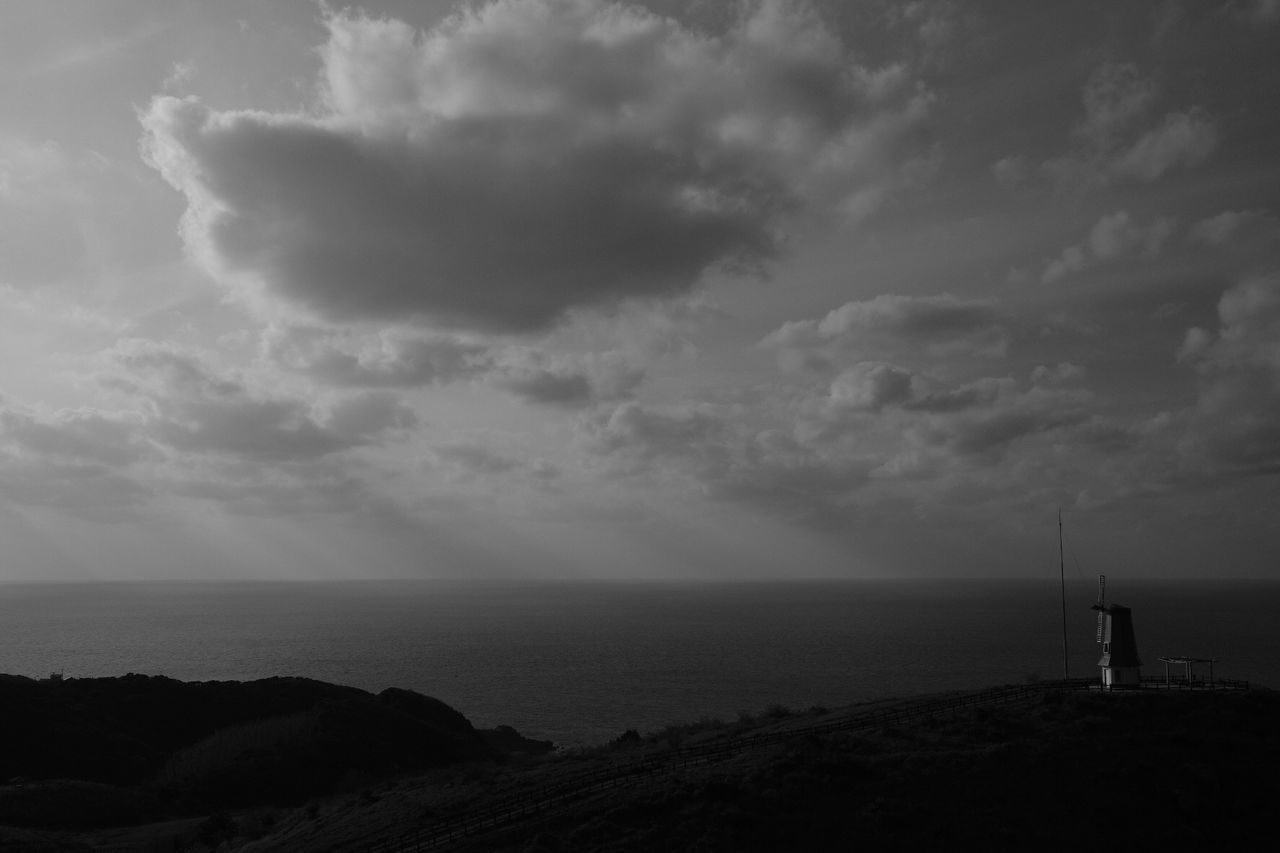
{"points": [[1120, 664]]}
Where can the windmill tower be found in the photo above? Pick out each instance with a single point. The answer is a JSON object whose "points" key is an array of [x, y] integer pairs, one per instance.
{"points": [[1120, 664]]}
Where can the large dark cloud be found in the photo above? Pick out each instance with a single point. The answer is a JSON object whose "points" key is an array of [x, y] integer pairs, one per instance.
{"points": [[525, 158]]}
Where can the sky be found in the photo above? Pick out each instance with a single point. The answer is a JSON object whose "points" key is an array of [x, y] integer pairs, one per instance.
{"points": [[585, 289]]}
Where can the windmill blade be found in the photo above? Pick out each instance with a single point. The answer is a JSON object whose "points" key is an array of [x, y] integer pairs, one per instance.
{"points": [[1102, 589], [1100, 620]]}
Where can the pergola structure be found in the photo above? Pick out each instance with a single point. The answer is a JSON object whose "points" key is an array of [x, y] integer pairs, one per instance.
{"points": [[1189, 663]]}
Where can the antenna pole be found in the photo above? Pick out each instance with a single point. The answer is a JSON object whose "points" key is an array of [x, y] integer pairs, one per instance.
{"points": [[1062, 581]]}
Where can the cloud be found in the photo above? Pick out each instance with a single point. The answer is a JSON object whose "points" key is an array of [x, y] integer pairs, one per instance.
{"points": [[878, 430], [766, 469], [400, 358], [1235, 430], [1011, 416], [1011, 171], [1115, 235], [525, 158], [368, 416], [899, 412], [1115, 97], [392, 359], [1183, 139], [92, 491], [1063, 373], [473, 459], [1231, 225], [1235, 424], [643, 331], [979, 393], [942, 325], [645, 433], [869, 386], [879, 436], [76, 435], [1258, 12], [796, 485], [78, 461], [196, 409], [565, 380], [1248, 335], [1117, 141], [189, 430], [555, 385], [179, 76]]}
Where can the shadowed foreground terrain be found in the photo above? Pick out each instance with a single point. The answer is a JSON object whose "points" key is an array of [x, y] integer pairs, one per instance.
{"points": [[331, 768], [1061, 772], [80, 754]]}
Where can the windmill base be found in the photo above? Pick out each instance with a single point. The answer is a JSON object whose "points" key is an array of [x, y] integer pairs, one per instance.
{"points": [[1121, 676]]}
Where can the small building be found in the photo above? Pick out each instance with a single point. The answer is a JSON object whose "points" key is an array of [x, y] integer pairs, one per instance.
{"points": [[1121, 666]]}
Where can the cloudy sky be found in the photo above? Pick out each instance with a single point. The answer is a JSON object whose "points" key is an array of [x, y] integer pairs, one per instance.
{"points": [[574, 288]]}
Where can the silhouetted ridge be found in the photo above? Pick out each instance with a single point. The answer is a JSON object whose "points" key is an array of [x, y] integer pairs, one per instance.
{"points": [[427, 710], [120, 730], [214, 743]]}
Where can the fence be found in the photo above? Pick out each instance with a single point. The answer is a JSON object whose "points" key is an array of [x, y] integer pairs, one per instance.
{"points": [[1149, 682]]}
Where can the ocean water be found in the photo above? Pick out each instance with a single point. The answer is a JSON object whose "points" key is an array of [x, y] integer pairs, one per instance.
{"points": [[580, 662]]}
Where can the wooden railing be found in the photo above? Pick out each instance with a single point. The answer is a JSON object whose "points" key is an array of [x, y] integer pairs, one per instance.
{"points": [[1161, 683], [1150, 682]]}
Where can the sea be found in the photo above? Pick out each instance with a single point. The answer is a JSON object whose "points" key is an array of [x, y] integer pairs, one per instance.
{"points": [[579, 663]]}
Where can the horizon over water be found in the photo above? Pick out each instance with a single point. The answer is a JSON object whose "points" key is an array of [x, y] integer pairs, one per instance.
{"points": [[579, 662]]}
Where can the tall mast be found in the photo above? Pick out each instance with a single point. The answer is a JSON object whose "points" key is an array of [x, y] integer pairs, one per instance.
{"points": [[1062, 581]]}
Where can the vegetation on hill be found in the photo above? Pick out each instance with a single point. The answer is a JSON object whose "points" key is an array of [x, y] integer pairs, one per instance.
{"points": [[1150, 771], [78, 753], [290, 764]]}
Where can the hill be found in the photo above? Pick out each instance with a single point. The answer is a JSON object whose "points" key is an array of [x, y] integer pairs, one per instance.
{"points": [[293, 765], [1054, 772], [82, 753]]}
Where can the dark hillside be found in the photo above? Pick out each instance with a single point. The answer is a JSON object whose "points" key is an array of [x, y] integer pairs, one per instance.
{"points": [[1171, 771], [77, 753], [294, 765], [121, 730]]}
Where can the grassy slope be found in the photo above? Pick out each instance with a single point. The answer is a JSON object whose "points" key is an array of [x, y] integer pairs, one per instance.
{"points": [[1147, 770], [77, 754], [1067, 773]]}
